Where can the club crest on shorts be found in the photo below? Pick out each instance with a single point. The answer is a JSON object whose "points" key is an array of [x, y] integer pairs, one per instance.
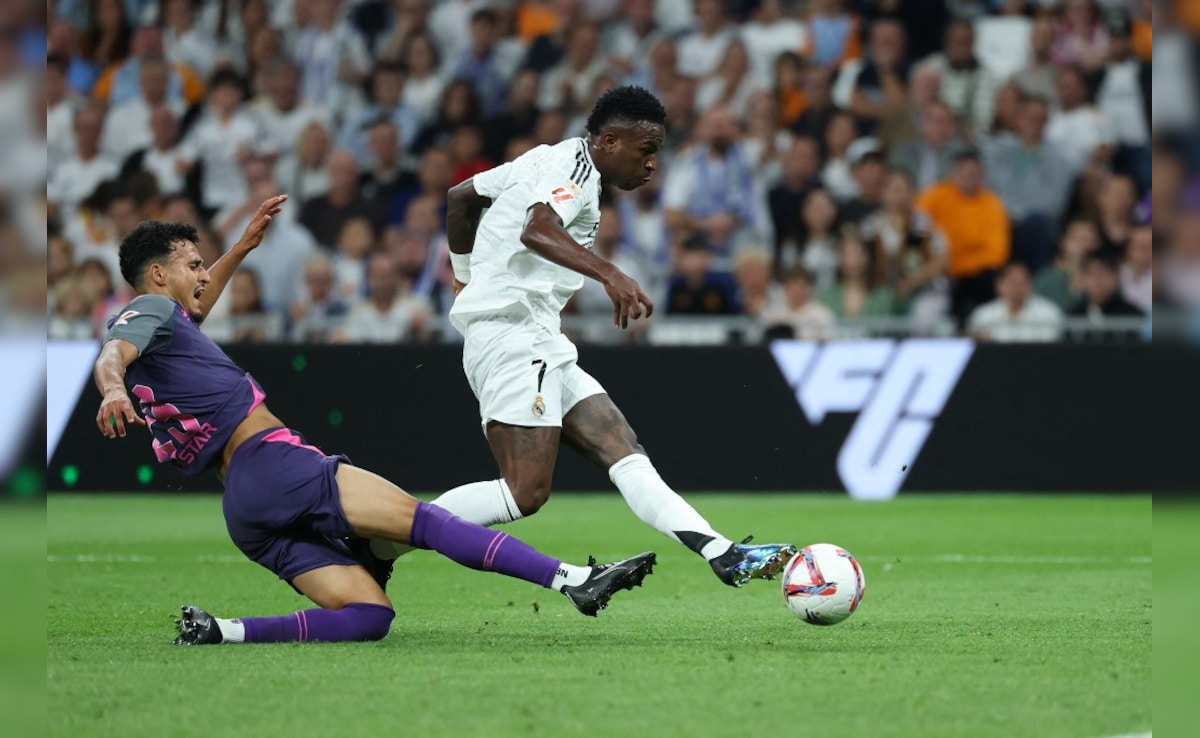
{"points": [[539, 406]]}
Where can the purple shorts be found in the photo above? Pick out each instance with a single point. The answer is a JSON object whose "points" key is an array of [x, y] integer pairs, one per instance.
{"points": [[281, 504]]}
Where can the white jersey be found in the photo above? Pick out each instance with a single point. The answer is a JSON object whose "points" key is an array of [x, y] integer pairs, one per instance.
{"points": [[507, 276]]}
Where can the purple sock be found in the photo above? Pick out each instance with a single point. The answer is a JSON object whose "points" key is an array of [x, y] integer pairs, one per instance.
{"points": [[479, 548], [359, 621]]}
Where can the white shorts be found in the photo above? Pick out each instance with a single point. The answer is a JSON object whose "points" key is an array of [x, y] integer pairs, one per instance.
{"points": [[523, 373]]}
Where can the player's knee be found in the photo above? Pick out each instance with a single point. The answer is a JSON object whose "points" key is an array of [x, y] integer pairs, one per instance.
{"points": [[371, 622], [530, 495]]}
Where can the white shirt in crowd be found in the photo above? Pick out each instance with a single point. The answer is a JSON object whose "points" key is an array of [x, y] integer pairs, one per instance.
{"points": [[1038, 321], [699, 55], [366, 324], [1077, 134], [217, 143], [127, 127], [505, 274], [74, 180], [765, 42], [281, 131], [1120, 99]]}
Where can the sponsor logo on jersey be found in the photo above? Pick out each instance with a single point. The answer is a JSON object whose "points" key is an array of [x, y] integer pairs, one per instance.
{"points": [[898, 388], [125, 316]]}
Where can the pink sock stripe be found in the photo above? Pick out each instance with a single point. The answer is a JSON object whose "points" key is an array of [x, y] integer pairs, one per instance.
{"points": [[492, 549], [302, 631]]}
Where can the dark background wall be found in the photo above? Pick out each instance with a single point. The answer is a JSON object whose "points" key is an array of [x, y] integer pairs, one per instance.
{"points": [[1052, 418]]}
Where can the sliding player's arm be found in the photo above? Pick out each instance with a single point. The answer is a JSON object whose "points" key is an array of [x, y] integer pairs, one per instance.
{"points": [[545, 234], [109, 372], [223, 269]]}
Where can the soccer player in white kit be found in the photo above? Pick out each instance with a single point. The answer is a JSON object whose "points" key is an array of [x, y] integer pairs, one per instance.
{"points": [[520, 240]]}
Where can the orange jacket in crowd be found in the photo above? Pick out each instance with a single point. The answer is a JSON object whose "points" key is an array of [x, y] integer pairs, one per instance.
{"points": [[978, 235]]}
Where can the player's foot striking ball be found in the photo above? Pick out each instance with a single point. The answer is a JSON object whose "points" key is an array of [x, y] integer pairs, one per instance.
{"points": [[743, 562], [303, 514]]}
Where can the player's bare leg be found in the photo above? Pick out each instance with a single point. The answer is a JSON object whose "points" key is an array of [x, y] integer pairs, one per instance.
{"points": [[526, 456], [598, 431]]}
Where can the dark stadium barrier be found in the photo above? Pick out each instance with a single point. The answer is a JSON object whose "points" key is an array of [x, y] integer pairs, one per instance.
{"points": [[871, 417]]}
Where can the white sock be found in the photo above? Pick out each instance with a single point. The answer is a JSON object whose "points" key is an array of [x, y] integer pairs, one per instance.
{"points": [[569, 575], [483, 503], [662, 509], [232, 631]]}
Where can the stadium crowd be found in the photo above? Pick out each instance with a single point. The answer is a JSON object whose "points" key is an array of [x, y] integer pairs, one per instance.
{"points": [[904, 165]]}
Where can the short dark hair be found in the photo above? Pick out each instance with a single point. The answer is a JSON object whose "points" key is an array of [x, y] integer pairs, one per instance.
{"points": [[1103, 260], [627, 103], [151, 241], [967, 153]]}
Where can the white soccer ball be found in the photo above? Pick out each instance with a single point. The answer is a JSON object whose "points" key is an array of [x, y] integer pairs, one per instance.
{"points": [[823, 584]]}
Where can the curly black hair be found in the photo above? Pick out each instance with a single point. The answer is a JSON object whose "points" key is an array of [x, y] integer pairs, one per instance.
{"points": [[629, 103], [151, 241]]}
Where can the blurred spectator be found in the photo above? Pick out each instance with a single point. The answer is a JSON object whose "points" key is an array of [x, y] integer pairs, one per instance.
{"points": [[787, 85], [388, 313], [1078, 130], [450, 23], [833, 34], [404, 21], [1082, 40], [433, 178], [355, 242], [459, 107], [1034, 182], [1062, 281], [856, 292], [709, 190], [247, 320], [1124, 102], [730, 84], [423, 84], [60, 261], [1006, 113], [868, 170], [279, 260], [924, 21], [766, 143], [281, 112], [518, 118], [480, 65], [801, 166], [817, 103], [929, 158], [592, 299], [977, 231], [1168, 172], [71, 310], [466, 154], [1178, 282], [631, 36], [324, 215], [768, 34], [903, 126], [908, 252], [110, 37], [385, 175], [102, 290], [1037, 78], [303, 172], [220, 141], [1116, 201], [332, 56], [266, 45], [880, 85], [758, 293], [696, 289], [569, 83], [968, 87], [63, 43], [77, 177], [387, 86], [127, 125], [700, 50], [1003, 41], [1102, 291], [802, 316], [839, 137], [320, 308], [1137, 281], [645, 237], [1016, 315], [61, 103], [119, 81], [815, 246], [185, 42]]}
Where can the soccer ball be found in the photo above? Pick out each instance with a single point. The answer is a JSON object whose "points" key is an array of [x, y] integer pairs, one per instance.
{"points": [[823, 584]]}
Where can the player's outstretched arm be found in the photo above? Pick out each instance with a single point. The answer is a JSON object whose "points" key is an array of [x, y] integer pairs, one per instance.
{"points": [[116, 408], [544, 233], [224, 268]]}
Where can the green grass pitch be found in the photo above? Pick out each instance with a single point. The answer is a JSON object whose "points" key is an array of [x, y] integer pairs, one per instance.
{"points": [[984, 616]]}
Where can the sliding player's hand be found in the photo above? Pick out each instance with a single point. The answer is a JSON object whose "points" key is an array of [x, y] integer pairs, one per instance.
{"points": [[115, 411], [257, 227], [628, 300]]}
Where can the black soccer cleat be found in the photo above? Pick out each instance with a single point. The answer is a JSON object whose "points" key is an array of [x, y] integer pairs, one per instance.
{"points": [[196, 628], [743, 562], [607, 579], [379, 569]]}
